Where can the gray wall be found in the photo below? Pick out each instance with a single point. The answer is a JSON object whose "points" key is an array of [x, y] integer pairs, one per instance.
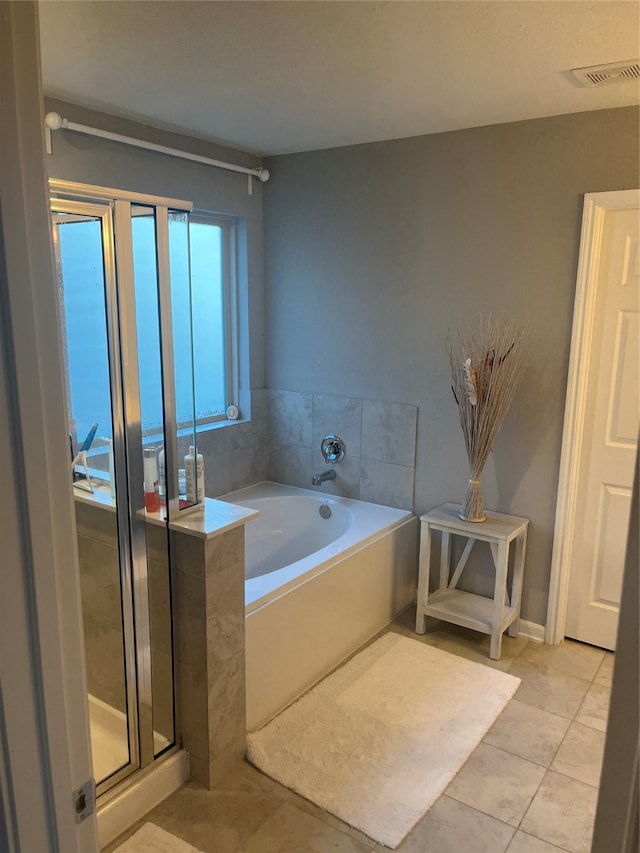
{"points": [[87, 159], [373, 251], [235, 456]]}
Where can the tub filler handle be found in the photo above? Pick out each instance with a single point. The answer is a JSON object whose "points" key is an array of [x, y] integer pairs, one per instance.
{"points": [[333, 448]]}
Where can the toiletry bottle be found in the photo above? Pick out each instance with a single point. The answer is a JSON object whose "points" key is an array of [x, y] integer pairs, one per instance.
{"points": [[162, 484], [112, 470], [151, 494], [194, 470], [182, 483]]}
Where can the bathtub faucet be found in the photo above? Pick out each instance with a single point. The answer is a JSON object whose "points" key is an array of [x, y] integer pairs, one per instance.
{"points": [[318, 479]]}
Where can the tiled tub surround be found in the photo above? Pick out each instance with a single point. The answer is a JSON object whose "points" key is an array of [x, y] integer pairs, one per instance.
{"points": [[281, 442], [380, 438], [235, 453], [304, 618]]}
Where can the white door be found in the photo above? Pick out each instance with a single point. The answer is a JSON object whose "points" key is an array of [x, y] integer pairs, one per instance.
{"points": [[610, 437]]}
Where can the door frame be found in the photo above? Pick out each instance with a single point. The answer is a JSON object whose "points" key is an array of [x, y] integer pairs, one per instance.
{"points": [[596, 205], [44, 726]]}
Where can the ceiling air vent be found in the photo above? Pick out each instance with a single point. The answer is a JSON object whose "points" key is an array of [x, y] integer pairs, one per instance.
{"points": [[611, 72]]}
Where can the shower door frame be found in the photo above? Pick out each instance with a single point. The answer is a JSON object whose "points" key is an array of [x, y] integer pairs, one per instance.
{"points": [[113, 207], [104, 213]]}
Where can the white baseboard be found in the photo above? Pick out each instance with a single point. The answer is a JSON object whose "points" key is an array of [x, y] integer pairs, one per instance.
{"points": [[532, 631], [129, 805]]}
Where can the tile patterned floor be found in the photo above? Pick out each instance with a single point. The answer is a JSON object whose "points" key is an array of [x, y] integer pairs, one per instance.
{"points": [[530, 786]]}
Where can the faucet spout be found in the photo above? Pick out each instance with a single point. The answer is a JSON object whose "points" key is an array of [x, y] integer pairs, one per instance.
{"points": [[318, 479]]}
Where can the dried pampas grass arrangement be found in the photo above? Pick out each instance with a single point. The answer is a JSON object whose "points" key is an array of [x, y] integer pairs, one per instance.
{"points": [[486, 362]]}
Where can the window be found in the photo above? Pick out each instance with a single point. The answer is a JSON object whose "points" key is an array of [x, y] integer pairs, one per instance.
{"points": [[204, 248], [202, 251], [213, 294]]}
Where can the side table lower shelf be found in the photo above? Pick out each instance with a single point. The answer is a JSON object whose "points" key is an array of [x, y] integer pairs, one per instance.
{"points": [[467, 609]]}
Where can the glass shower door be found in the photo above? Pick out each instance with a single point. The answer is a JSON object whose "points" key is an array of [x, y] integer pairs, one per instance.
{"points": [[88, 315], [126, 326]]}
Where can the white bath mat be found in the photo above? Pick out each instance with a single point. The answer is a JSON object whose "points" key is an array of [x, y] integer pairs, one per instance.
{"points": [[152, 839], [378, 740]]}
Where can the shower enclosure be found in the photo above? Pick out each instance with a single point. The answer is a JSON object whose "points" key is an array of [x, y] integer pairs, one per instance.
{"points": [[123, 272]]}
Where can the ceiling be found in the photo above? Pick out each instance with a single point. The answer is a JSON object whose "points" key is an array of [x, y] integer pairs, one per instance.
{"points": [[280, 77]]}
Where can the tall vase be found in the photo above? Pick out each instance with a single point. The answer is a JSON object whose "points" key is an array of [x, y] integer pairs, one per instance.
{"points": [[472, 509]]}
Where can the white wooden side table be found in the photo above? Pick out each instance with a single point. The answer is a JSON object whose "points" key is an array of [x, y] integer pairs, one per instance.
{"points": [[489, 615]]}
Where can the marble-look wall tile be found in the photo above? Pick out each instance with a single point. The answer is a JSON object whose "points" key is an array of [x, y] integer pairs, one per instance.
{"points": [[159, 607], [389, 432], [380, 443], [99, 565], [290, 418], [95, 523], [252, 433], [225, 645], [223, 446], [225, 598], [162, 693], [341, 416], [187, 554], [100, 582], [104, 652], [347, 482], [190, 598], [157, 544], [188, 574], [248, 466], [102, 604], [210, 624], [218, 476], [386, 484], [194, 710], [290, 465], [227, 719], [215, 444]]}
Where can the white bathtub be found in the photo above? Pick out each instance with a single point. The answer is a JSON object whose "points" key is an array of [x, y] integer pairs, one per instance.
{"points": [[317, 588]]}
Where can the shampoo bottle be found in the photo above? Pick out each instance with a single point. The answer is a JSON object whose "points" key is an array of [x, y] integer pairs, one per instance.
{"points": [[151, 494], [112, 470], [162, 483], [194, 471]]}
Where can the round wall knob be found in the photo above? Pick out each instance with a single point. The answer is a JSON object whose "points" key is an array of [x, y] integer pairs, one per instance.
{"points": [[333, 448]]}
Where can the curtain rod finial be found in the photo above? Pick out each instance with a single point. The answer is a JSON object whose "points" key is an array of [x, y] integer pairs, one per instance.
{"points": [[53, 121]]}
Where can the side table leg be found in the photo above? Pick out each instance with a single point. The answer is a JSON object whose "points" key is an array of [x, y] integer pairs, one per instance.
{"points": [[445, 559], [502, 566], [518, 573], [423, 577]]}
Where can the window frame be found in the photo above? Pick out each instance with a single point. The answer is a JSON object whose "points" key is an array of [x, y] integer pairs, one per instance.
{"points": [[61, 190], [230, 293]]}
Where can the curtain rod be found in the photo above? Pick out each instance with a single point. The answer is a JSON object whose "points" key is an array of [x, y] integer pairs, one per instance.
{"points": [[54, 121]]}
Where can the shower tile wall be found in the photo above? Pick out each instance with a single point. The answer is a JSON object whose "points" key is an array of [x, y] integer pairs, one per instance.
{"points": [[282, 443], [160, 630], [101, 608], [234, 456], [380, 438], [102, 613]]}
